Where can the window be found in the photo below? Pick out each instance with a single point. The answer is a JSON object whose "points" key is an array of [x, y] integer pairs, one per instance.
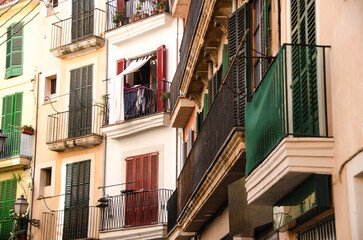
{"points": [[50, 88], [12, 111], [14, 51], [260, 40], [7, 199], [47, 176]]}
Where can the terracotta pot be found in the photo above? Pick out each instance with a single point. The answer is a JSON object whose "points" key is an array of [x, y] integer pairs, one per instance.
{"points": [[161, 10], [27, 131], [144, 15], [130, 20], [153, 12], [136, 18]]}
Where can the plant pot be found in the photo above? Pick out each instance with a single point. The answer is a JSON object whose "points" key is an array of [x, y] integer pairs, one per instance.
{"points": [[136, 18], [27, 131], [130, 20], [153, 12], [144, 15], [161, 10]]}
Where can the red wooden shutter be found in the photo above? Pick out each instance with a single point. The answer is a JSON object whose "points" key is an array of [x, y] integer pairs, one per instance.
{"points": [[120, 5], [121, 64], [154, 185], [160, 76], [129, 201]]}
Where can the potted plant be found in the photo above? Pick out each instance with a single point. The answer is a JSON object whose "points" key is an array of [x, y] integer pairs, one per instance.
{"points": [[144, 15], [165, 96], [27, 129], [161, 6], [117, 18], [153, 11], [137, 16]]}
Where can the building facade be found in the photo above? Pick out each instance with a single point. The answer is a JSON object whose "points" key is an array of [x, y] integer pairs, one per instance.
{"points": [[18, 96]]}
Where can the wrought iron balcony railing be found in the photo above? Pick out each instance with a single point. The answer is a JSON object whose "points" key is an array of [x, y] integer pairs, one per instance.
{"points": [[172, 210], [75, 123], [290, 100], [143, 100], [225, 116], [122, 12], [71, 223], [135, 209], [78, 27], [17, 144]]}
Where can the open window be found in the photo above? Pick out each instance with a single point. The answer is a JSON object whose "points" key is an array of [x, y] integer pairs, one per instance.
{"points": [[145, 86]]}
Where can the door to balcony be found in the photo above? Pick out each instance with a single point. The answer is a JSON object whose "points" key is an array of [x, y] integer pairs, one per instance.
{"points": [[82, 19], [80, 97], [76, 206], [142, 174]]}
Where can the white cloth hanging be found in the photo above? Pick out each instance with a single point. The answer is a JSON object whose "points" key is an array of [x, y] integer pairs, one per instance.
{"points": [[116, 93]]}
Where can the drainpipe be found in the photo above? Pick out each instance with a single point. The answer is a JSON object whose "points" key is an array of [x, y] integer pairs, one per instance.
{"points": [[105, 136], [34, 156]]}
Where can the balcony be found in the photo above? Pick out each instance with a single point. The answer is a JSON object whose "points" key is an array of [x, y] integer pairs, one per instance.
{"points": [[75, 129], [216, 158], [17, 150], [72, 223], [143, 107], [79, 34], [136, 209], [287, 137], [121, 13]]}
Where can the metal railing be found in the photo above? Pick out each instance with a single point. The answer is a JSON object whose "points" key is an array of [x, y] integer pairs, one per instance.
{"points": [[135, 209], [71, 223], [17, 144], [75, 123], [129, 11], [290, 100], [78, 27], [225, 116], [172, 210]]}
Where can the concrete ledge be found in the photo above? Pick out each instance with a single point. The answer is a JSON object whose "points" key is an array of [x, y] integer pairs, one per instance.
{"points": [[13, 163], [288, 165], [136, 125], [182, 111], [72, 144], [136, 233], [78, 48]]}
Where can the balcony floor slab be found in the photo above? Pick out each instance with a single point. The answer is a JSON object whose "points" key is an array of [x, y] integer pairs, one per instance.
{"points": [[75, 143], [134, 233], [291, 162], [13, 163]]}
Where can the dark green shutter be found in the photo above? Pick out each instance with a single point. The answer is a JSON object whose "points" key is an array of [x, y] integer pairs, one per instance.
{"points": [[7, 115], [238, 23], [197, 123], [77, 200], [7, 198], [304, 75], [264, 35], [14, 51], [224, 60], [80, 101], [205, 106]]}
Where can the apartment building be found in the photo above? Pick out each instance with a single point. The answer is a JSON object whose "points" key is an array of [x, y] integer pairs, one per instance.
{"points": [[139, 173], [277, 120], [69, 147], [18, 96]]}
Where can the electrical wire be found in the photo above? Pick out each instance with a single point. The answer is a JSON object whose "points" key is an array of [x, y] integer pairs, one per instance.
{"points": [[9, 8], [15, 13], [19, 22]]}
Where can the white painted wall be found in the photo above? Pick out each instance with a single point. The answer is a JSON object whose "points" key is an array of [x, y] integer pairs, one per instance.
{"points": [[160, 139]]}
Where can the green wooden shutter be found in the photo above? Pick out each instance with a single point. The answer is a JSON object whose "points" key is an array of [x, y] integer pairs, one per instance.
{"points": [[14, 51], [205, 106], [304, 75], [197, 123], [7, 198], [18, 108], [76, 200], [7, 115], [238, 22], [224, 60]]}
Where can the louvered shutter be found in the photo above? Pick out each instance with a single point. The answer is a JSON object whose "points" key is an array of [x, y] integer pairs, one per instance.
{"points": [[224, 60], [18, 107], [197, 123], [7, 116], [14, 51], [205, 106], [304, 76], [76, 200], [238, 22], [120, 66], [160, 76], [8, 190]]}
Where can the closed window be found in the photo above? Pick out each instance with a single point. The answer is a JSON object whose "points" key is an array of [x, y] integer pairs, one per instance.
{"points": [[14, 51]]}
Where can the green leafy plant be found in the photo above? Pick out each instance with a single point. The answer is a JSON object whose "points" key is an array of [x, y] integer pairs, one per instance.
{"points": [[117, 18], [161, 5], [165, 96], [28, 127]]}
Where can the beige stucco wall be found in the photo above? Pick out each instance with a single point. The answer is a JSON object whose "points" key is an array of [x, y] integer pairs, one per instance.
{"points": [[218, 228]]}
